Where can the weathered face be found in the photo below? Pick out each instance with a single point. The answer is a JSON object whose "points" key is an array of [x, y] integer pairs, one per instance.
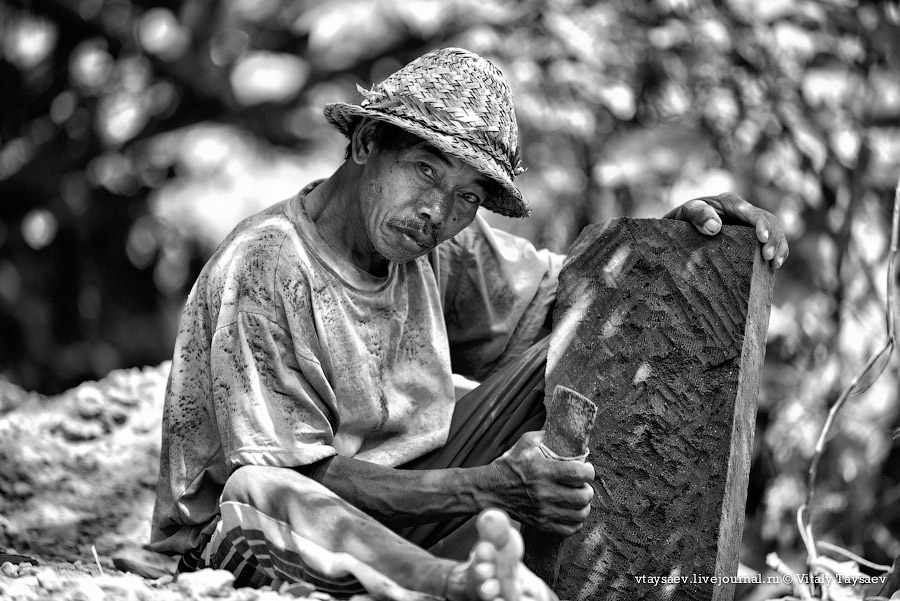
{"points": [[413, 199]]}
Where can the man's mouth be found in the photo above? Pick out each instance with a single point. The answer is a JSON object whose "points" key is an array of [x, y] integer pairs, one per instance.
{"points": [[415, 238]]}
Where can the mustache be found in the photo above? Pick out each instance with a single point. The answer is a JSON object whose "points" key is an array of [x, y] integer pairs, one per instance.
{"points": [[423, 227]]}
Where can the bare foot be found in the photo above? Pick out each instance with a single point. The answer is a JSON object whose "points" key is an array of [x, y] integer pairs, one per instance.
{"points": [[495, 571]]}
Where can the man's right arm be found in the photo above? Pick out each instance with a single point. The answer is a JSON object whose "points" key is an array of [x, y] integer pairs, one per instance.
{"points": [[552, 495]]}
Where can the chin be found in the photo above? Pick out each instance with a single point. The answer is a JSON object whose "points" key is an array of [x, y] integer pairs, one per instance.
{"points": [[398, 252], [403, 258]]}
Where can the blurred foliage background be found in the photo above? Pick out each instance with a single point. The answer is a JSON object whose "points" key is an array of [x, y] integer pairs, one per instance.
{"points": [[134, 135]]}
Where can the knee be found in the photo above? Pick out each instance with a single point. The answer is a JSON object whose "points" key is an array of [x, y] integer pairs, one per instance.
{"points": [[247, 483], [260, 486]]}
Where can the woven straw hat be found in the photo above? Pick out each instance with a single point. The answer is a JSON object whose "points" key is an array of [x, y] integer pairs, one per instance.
{"points": [[460, 103]]}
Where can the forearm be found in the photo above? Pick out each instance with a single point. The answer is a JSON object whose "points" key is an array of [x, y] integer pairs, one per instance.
{"points": [[398, 497]]}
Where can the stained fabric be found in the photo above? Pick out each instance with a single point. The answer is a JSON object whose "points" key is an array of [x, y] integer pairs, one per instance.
{"points": [[287, 354], [277, 525]]}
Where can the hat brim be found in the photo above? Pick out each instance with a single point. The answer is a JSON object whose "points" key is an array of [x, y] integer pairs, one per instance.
{"points": [[508, 202]]}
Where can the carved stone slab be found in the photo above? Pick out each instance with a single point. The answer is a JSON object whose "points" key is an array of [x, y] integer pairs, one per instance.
{"points": [[664, 330]]}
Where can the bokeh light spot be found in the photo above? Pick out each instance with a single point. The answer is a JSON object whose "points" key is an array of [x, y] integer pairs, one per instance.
{"points": [[114, 172], [268, 77], [255, 10], [30, 41], [14, 155], [160, 33], [10, 282], [142, 245], [91, 65], [620, 100], [62, 107], [171, 272], [74, 191], [120, 117], [227, 46], [39, 228], [206, 150]]}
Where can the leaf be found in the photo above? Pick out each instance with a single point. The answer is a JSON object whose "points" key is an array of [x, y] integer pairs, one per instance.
{"points": [[874, 370]]}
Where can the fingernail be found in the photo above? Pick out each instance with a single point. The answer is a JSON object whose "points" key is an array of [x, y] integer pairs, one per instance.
{"points": [[769, 253], [778, 263], [711, 226], [765, 235]]}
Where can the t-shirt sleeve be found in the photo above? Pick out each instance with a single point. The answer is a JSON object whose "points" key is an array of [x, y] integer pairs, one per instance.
{"points": [[268, 409], [497, 291]]}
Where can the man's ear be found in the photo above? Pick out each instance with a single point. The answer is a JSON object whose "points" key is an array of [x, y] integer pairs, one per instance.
{"points": [[362, 142]]}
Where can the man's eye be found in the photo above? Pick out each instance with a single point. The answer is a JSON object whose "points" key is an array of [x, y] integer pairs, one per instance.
{"points": [[471, 198], [426, 169]]}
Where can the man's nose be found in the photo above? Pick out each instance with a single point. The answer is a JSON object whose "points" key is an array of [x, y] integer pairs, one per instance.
{"points": [[434, 206]]}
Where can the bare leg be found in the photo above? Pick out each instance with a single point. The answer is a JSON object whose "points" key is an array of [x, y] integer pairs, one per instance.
{"points": [[317, 533], [301, 518]]}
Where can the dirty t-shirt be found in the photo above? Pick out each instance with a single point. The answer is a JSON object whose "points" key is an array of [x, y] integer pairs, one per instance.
{"points": [[288, 354]]}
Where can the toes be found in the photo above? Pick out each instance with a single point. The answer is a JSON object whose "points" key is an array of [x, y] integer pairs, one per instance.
{"points": [[484, 552], [494, 527], [489, 590], [485, 571]]}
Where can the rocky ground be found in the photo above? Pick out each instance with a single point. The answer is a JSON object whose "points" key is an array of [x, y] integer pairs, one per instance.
{"points": [[77, 483]]}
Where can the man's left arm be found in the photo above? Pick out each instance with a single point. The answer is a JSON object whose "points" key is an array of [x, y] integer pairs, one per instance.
{"points": [[709, 212]]}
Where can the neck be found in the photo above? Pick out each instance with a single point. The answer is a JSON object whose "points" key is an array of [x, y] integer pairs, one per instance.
{"points": [[334, 208]]}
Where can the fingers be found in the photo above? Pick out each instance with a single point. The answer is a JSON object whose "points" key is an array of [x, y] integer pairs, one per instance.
{"points": [[551, 494], [575, 510], [561, 510], [571, 473], [533, 438], [701, 215], [566, 522], [768, 231], [775, 246]]}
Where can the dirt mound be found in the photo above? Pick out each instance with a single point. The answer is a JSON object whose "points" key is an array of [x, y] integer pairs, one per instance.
{"points": [[79, 469], [78, 475]]}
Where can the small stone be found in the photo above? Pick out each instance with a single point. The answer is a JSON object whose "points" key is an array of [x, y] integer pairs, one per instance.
{"points": [[117, 415], [27, 569], [49, 579], [265, 594], [89, 402], [9, 570], [21, 588], [22, 489], [76, 430], [161, 581], [207, 582], [86, 590], [122, 586], [123, 397]]}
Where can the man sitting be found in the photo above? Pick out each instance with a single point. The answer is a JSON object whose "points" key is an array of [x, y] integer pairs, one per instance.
{"points": [[311, 431]]}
